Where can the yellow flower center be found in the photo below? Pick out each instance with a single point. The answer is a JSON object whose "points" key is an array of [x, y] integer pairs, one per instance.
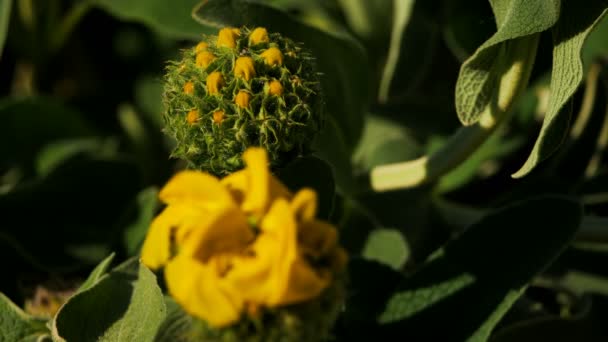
{"points": [[272, 56], [215, 81], [242, 99], [218, 116], [244, 68], [275, 88], [227, 37], [189, 88], [204, 58], [259, 35], [192, 116]]}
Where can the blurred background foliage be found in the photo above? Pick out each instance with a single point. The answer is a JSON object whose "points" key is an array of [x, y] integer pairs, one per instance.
{"points": [[82, 155]]}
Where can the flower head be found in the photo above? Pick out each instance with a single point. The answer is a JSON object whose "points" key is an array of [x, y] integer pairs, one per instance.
{"points": [[227, 245], [248, 75]]}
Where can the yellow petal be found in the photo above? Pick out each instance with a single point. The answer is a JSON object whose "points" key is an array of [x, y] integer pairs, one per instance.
{"points": [[317, 238], [156, 249], [204, 58], [259, 35], [215, 81], [244, 68], [272, 56], [304, 204], [255, 187], [275, 274], [227, 37], [197, 189], [201, 292], [242, 99], [200, 47], [274, 87], [220, 231]]}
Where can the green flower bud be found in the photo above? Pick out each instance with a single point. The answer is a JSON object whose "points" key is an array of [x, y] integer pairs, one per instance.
{"points": [[242, 88]]}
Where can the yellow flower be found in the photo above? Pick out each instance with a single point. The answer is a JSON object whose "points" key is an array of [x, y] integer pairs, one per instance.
{"points": [[242, 99], [259, 35], [200, 47], [192, 116], [272, 56], [189, 88], [239, 244], [227, 37], [218, 116], [204, 58], [275, 88], [215, 81], [243, 67]]}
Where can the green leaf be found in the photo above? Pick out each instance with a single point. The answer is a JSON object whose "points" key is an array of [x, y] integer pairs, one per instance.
{"points": [[44, 120], [57, 152], [176, 326], [124, 305], [135, 232], [568, 38], [595, 45], [99, 271], [387, 246], [484, 270], [313, 173], [5, 17], [401, 17], [480, 75], [173, 19], [384, 141], [367, 18], [18, 326], [339, 57]]}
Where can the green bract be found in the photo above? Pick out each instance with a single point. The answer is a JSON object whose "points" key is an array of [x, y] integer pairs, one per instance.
{"points": [[238, 89]]}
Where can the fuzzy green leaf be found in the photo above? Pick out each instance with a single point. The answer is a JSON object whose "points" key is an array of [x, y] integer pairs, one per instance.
{"points": [[99, 271], [484, 270], [5, 17], [176, 326], [338, 56], [569, 35], [479, 76], [18, 326], [387, 246], [125, 305], [173, 19]]}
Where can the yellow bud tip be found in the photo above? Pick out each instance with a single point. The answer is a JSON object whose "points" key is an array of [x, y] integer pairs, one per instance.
{"points": [[227, 37], [243, 67], [272, 56], [192, 116], [189, 88], [242, 99], [259, 35], [218, 116], [215, 81], [275, 88], [200, 47], [204, 58]]}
